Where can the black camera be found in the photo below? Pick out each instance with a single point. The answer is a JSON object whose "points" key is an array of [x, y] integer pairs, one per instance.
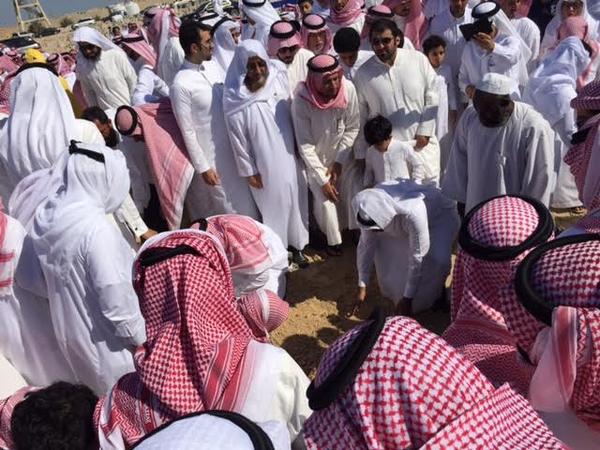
{"points": [[469, 30]]}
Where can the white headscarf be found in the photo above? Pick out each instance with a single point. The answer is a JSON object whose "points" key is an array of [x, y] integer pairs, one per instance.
{"points": [[77, 193], [224, 44], [551, 32], [208, 432], [263, 15], [553, 84], [506, 27], [40, 125], [385, 201], [236, 96], [94, 37]]}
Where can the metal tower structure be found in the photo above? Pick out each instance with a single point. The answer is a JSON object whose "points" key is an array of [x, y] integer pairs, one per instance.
{"points": [[29, 11]]}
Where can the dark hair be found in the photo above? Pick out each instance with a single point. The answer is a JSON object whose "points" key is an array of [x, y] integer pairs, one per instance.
{"points": [[346, 40], [305, 1], [382, 25], [94, 113], [377, 130], [54, 418], [432, 42], [188, 34]]}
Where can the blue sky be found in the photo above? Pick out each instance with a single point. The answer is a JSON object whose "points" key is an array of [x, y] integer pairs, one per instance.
{"points": [[52, 8]]}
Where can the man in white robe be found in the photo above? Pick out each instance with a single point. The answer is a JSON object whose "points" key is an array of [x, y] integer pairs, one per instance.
{"points": [[257, 113], [163, 34], [326, 121], [499, 50], [196, 97], [408, 98], [261, 16], [407, 230], [286, 46], [527, 29], [550, 90], [85, 264], [500, 147], [107, 77], [447, 25]]}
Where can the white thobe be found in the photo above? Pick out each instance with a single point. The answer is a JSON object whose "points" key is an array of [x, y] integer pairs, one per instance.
{"points": [[94, 309], [408, 98], [399, 161], [350, 71], [26, 335], [262, 138], [412, 254], [170, 60], [196, 96], [448, 27], [504, 59], [149, 88], [566, 194], [110, 81], [298, 69], [325, 136], [447, 102], [518, 158], [530, 33]]}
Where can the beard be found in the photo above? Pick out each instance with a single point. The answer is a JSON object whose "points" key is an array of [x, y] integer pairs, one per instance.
{"points": [[112, 140]]}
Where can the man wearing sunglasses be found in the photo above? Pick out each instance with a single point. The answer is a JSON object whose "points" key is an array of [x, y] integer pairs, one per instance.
{"points": [[399, 84], [500, 147]]}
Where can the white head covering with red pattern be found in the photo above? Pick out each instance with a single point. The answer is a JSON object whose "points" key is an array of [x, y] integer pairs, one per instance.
{"points": [[197, 339], [495, 236], [552, 311], [412, 390]]}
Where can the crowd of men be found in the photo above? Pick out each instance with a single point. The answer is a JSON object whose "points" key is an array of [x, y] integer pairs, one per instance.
{"points": [[158, 186]]}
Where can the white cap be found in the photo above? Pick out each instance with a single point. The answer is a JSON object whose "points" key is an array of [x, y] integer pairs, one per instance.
{"points": [[485, 9], [494, 83]]}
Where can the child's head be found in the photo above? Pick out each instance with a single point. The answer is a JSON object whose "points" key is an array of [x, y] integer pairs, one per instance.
{"points": [[434, 48], [346, 43], [305, 7], [378, 132]]}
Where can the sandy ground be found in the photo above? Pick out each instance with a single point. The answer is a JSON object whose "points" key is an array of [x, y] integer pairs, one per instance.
{"points": [[319, 296]]}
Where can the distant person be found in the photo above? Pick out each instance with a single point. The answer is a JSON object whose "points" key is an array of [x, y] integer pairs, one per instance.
{"points": [[107, 78]]}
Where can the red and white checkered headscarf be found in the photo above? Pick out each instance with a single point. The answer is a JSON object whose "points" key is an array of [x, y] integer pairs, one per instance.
{"points": [[413, 390], [197, 339], [563, 338], [7, 407], [580, 157], [242, 240], [478, 329], [6, 269], [264, 311]]}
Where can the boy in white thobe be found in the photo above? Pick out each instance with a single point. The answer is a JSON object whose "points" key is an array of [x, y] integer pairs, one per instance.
{"points": [[196, 97], [346, 44], [326, 120], [107, 77], [387, 158], [408, 98], [407, 230], [500, 147]]}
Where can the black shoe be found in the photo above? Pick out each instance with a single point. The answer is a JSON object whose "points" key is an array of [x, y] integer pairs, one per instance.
{"points": [[334, 250], [299, 259]]}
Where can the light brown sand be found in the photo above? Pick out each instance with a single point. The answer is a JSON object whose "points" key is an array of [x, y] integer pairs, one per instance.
{"points": [[319, 295]]}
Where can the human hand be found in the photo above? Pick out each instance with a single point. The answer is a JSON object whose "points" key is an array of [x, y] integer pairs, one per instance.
{"points": [[211, 177], [148, 234], [422, 141], [470, 91], [485, 41], [334, 172], [330, 192], [255, 181]]}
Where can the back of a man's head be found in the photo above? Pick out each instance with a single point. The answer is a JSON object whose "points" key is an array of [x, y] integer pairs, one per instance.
{"points": [[58, 417], [95, 113]]}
